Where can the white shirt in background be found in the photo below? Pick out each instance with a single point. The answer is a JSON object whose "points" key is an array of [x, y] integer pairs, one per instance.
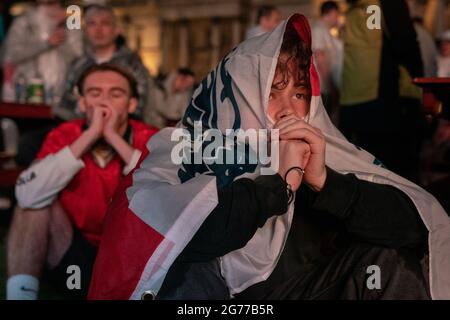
{"points": [[333, 47], [443, 67], [428, 51]]}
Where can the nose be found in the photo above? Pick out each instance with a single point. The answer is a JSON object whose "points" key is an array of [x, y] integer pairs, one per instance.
{"points": [[286, 109], [103, 100]]}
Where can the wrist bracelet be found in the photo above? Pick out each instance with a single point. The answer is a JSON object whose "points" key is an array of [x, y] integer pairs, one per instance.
{"points": [[289, 187], [301, 170]]}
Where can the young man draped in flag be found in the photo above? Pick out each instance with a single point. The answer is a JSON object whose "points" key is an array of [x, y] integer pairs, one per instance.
{"points": [[63, 196], [310, 231]]}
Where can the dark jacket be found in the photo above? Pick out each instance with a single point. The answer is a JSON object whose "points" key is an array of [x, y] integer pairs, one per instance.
{"points": [[375, 213]]}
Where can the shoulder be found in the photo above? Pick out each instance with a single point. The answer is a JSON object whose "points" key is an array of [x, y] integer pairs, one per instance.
{"points": [[128, 55], [28, 17], [61, 137], [68, 127], [80, 63], [22, 24], [67, 131], [142, 132], [76, 68]]}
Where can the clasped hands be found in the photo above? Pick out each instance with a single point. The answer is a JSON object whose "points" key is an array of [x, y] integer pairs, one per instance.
{"points": [[301, 145]]}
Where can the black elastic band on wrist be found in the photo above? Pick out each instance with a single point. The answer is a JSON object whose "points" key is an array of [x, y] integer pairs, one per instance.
{"points": [[289, 188], [302, 171]]}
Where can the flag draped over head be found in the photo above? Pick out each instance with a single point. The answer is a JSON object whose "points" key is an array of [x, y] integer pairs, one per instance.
{"points": [[158, 209]]}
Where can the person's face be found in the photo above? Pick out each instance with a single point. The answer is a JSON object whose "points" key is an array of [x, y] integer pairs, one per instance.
{"points": [[271, 22], [183, 82], [107, 89], [332, 18], [445, 48], [101, 30], [289, 99]]}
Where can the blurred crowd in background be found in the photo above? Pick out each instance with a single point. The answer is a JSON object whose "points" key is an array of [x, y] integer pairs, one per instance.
{"points": [[366, 77]]}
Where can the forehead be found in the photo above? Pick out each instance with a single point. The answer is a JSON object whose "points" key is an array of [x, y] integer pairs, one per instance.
{"points": [[288, 70], [275, 13], [106, 80]]}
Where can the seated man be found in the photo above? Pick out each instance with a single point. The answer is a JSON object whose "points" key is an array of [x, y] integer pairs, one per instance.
{"points": [[63, 196], [315, 229]]}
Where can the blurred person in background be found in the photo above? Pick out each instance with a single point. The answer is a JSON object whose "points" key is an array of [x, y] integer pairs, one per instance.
{"points": [[437, 153], [267, 19], [39, 46], [168, 98], [372, 115], [3, 14], [444, 55], [414, 126], [101, 32], [2, 36], [38, 49], [428, 48], [328, 53]]}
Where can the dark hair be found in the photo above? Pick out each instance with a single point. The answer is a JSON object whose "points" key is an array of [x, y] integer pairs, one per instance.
{"points": [[186, 72], [327, 7], [265, 11], [113, 68], [299, 54]]}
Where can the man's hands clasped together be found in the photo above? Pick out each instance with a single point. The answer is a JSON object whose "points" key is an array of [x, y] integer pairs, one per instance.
{"points": [[301, 145], [105, 123]]}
